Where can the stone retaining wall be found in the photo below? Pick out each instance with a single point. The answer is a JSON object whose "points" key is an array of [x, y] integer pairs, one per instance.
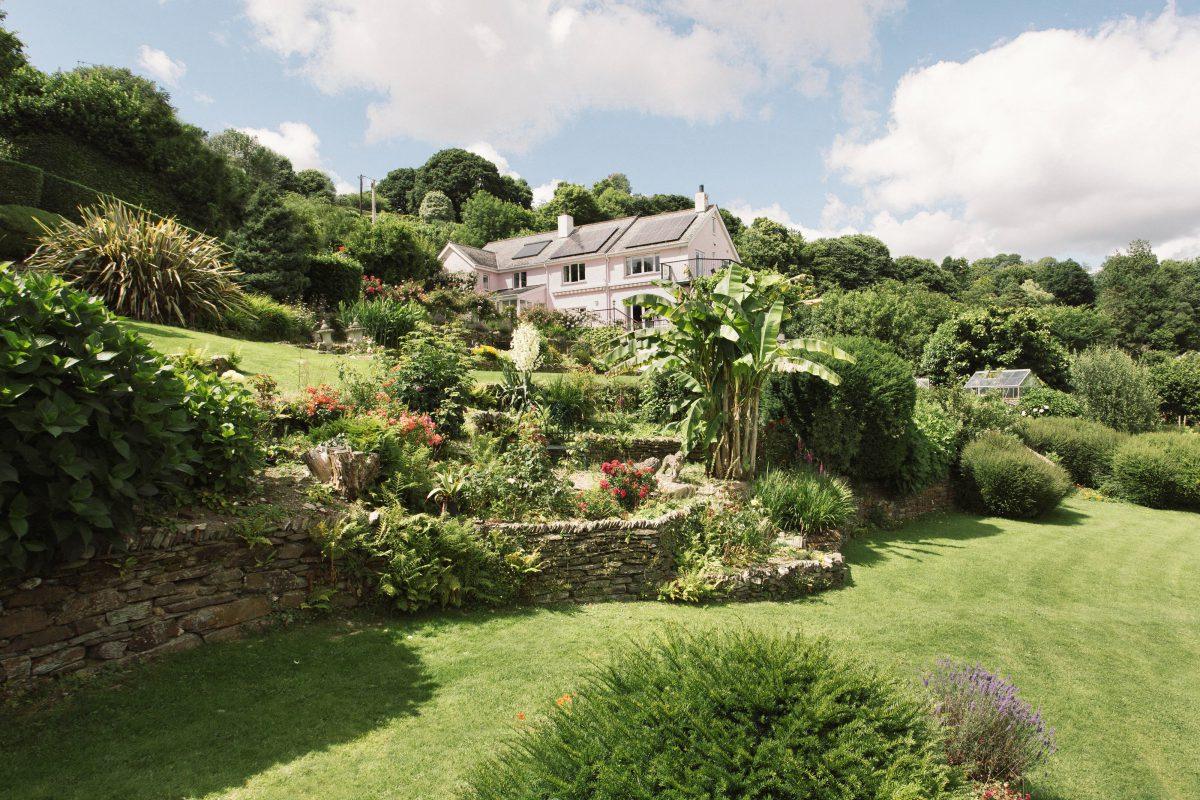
{"points": [[877, 508], [598, 448], [786, 579], [610, 559], [170, 591]]}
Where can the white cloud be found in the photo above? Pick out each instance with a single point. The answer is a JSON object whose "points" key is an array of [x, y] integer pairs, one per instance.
{"points": [[493, 155], [544, 193], [834, 219], [1058, 141], [160, 66], [203, 98], [511, 72], [301, 145]]}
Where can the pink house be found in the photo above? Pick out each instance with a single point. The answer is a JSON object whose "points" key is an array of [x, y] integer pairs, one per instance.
{"points": [[596, 266]]}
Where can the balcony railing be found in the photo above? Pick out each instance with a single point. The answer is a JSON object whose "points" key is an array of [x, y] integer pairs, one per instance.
{"points": [[684, 270]]}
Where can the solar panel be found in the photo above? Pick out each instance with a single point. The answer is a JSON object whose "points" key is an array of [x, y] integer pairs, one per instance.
{"points": [[654, 230], [584, 241], [531, 249]]}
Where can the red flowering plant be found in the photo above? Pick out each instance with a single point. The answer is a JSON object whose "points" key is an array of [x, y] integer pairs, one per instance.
{"points": [[630, 485], [413, 426], [322, 403], [373, 287]]}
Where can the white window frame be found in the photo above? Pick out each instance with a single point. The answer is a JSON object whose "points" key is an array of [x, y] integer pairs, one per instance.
{"points": [[574, 273], [641, 265], [484, 281], [520, 279]]}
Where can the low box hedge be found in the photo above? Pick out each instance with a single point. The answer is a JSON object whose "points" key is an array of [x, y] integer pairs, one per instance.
{"points": [[20, 184]]}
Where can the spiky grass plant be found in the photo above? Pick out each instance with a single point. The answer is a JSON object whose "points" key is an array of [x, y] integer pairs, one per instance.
{"points": [[142, 266]]}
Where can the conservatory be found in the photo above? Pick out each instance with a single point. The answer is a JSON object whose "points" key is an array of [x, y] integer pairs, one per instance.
{"points": [[1009, 384]]}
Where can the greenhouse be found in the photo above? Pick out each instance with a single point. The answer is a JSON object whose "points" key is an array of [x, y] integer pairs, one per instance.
{"points": [[1007, 383]]}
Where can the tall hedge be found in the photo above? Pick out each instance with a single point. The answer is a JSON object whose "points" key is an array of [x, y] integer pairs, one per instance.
{"points": [[333, 278], [1006, 478], [20, 184]]}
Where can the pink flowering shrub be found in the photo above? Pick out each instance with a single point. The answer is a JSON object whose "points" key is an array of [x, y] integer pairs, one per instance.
{"points": [[626, 483]]}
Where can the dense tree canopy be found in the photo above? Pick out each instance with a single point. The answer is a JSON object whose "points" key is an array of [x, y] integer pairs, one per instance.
{"points": [[573, 199], [766, 244], [393, 249], [436, 207], [273, 246], [617, 180], [12, 51], [314, 183], [1152, 305], [486, 218], [397, 187], [850, 261], [458, 174], [1069, 282], [898, 314], [261, 164], [994, 338]]}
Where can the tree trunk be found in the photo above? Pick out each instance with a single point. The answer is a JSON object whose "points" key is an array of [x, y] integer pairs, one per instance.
{"points": [[347, 471]]}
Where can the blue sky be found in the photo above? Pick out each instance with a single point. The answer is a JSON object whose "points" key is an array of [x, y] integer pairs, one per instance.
{"points": [[943, 127]]}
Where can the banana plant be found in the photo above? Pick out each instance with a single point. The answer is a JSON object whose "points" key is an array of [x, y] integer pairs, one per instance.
{"points": [[725, 338]]}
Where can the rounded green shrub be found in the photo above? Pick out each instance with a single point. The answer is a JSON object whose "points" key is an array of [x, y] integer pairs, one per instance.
{"points": [[91, 420], [1160, 470], [1008, 479], [859, 427], [20, 184], [1084, 448], [333, 278], [728, 716], [1042, 401]]}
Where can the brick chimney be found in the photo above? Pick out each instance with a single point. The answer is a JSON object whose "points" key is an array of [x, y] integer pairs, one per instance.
{"points": [[701, 200], [566, 224]]}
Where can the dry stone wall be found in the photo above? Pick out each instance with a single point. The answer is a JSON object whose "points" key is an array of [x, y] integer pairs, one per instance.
{"points": [[170, 590], [609, 559], [600, 447]]}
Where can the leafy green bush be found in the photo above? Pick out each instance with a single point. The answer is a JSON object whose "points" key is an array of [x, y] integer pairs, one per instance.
{"points": [[1083, 447], [570, 400], [392, 249], [1160, 470], [225, 420], [1115, 389], [933, 438], [20, 184], [430, 374], [597, 503], [665, 396], [264, 319], [1042, 401], [148, 269], [419, 561], [20, 230], [333, 279], [1177, 381], [993, 338], [859, 427], [387, 320], [1010, 480], [93, 422], [90, 420], [514, 481], [805, 501], [272, 247], [725, 715]]}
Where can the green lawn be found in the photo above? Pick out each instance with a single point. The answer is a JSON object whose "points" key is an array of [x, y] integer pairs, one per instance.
{"points": [[1094, 611], [293, 367]]}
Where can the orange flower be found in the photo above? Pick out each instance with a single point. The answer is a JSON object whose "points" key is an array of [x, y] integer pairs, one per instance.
{"points": [[521, 715], [563, 701]]}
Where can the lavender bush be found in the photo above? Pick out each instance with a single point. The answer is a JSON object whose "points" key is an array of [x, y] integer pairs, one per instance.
{"points": [[991, 732]]}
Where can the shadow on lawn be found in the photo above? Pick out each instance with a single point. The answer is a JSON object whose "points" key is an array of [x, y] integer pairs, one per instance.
{"points": [[208, 720], [145, 330], [935, 535]]}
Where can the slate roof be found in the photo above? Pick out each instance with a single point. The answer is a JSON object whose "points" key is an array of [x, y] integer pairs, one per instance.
{"points": [[610, 236]]}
